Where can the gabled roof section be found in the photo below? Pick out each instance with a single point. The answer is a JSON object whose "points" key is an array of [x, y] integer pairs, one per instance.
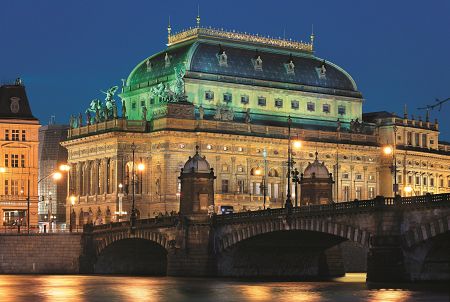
{"points": [[14, 103]]}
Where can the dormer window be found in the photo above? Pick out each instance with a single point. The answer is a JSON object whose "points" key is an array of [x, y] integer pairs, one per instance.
{"points": [[149, 65], [222, 58], [209, 95], [167, 60], [278, 103], [227, 97], [244, 99], [257, 62], [289, 66], [321, 71]]}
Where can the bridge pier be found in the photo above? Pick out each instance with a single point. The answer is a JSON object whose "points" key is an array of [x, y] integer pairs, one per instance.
{"points": [[193, 253], [385, 261]]}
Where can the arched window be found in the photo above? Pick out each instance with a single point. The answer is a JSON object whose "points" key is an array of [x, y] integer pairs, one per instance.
{"points": [[273, 173]]}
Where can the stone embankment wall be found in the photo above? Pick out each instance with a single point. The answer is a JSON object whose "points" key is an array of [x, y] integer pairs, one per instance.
{"points": [[40, 253]]}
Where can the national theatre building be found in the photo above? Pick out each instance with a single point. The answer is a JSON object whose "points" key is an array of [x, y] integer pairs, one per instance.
{"points": [[234, 96]]}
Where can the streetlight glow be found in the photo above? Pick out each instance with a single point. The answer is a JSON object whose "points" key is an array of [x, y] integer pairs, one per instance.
{"points": [[141, 167], [64, 167], [388, 150], [408, 189], [72, 199], [57, 176], [2, 170], [258, 171], [297, 144]]}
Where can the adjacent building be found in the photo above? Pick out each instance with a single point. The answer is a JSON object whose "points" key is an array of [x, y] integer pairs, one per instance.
{"points": [[231, 94], [52, 193], [19, 157]]}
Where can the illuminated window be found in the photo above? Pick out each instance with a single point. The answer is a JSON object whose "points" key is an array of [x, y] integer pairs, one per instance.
{"points": [[240, 149], [6, 160], [346, 192], [371, 192], [227, 97], [261, 101], [310, 106], [14, 160], [15, 135], [14, 187], [209, 95], [240, 186], [6, 187], [22, 160], [24, 135], [358, 192], [6, 135], [278, 103]]}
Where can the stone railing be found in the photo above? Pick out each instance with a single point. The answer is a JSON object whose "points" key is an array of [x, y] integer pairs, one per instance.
{"points": [[342, 207], [165, 221], [106, 126]]}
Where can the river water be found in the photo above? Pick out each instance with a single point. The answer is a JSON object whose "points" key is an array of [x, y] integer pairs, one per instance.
{"points": [[78, 288]]}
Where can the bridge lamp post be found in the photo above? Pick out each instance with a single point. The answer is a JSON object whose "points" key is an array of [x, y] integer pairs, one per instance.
{"points": [[141, 168], [390, 151], [259, 172], [72, 203]]}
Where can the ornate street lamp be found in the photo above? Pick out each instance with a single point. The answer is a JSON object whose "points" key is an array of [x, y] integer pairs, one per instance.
{"points": [[288, 203], [296, 181], [391, 150], [141, 168], [72, 203]]}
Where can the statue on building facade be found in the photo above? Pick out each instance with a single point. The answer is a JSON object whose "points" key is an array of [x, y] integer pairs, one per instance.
{"points": [[80, 120], [144, 113], [124, 110], [71, 121], [114, 109], [88, 118], [93, 107], [178, 89]]}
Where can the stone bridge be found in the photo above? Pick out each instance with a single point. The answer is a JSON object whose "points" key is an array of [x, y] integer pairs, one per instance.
{"points": [[401, 238]]}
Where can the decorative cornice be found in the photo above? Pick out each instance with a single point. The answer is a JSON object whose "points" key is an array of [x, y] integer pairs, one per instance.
{"points": [[202, 32]]}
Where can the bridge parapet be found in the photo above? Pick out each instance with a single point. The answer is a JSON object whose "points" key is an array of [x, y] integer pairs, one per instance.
{"points": [[157, 222]]}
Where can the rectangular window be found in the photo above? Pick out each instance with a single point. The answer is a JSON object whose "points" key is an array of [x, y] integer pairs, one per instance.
{"points": [[258, 190], [227, 97], [358, 177], [152, 101], [358, 193], [142, 103], [22, 187], [371, 177], [240, 186], [431, 141], [417, 180], [261, 101], [209, 95], [295, 105], [432, 182], [442, 183], [409, 138], [310, 106], [22, 161], [341, 110], [6, 187], [409, 179], [371, 192], [14, 187], [14, 160], [346, 192], [6, 135], [15, 135], [24, 137], [417, 136], [6, 160], [278, 103], [424, 140], [424, 181], [133, 105], [224, 185], [244, 99], [326, 108], [345, 175], [399, 179]]}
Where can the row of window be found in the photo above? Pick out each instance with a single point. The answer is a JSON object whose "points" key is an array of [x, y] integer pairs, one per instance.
{"points": [[12, 160], [15, 135], [358, 176], [417, 142], [14, 187], [262, 101], [425, 182]]}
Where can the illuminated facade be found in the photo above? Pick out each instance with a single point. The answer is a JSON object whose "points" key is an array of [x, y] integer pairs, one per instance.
{"points": [[19, 157], [230, 94]]}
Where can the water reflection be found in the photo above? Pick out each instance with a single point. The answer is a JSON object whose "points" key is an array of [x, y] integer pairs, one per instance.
{"points": [[113, 288]]}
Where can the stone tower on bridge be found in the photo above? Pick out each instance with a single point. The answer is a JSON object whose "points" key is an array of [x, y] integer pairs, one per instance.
{"points": [[316, 184], [197, 186]]}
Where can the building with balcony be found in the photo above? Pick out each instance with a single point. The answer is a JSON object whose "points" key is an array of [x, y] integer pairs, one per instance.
{"points": [[19, 157], [231, 94]]}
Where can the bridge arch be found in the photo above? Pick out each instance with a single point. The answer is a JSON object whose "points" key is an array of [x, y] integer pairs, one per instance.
{"points": [[109, 238], [426, 231], [248, 231]]}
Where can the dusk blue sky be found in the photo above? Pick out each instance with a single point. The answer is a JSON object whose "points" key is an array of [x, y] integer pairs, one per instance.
{"points": [[66, 51]]}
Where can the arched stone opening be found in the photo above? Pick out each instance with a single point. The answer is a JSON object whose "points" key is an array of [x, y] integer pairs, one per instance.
{"points": [[293, 254], [133, 256]]}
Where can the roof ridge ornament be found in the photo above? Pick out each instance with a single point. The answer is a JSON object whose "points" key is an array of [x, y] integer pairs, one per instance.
{"points": [[312, 37], [198, 16]]}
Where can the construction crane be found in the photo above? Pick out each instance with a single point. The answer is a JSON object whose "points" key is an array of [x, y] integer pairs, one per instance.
{"points": [[437, 104]]}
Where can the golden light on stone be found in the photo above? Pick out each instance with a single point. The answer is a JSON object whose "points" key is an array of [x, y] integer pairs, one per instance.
{"points": [[408, 189], [2, 170], [141, 167], [72, 199], [258, 171]]}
